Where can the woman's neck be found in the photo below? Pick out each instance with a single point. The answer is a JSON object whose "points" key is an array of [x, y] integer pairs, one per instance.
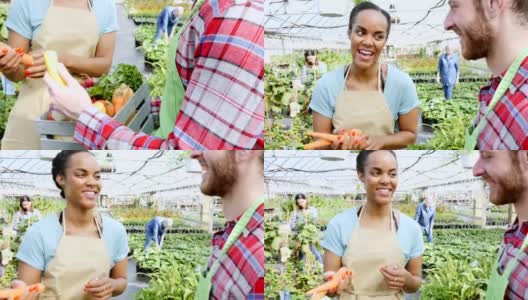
{"points": [[375, 211], [363, 75], [79, 217]]}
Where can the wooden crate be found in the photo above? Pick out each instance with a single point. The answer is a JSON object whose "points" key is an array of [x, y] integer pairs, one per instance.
{"points": [[58, 135]]}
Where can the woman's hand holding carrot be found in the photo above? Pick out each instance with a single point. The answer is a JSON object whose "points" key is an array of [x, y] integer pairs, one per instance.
{"points": [[335, 283], [347, 139], [9, 59], [39, 66], [20, 291]]}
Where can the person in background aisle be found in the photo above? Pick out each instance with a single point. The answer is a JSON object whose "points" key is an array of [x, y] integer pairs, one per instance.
{"points": [[214, 93], [156, 230], [448, 71], [311, 62], [82, 32], [236, 267], [167, 20], [425, 215], [496, 30], [304, 213], [77, 253], [366, 94], [381, 246], [25, 212], [506, 173]]}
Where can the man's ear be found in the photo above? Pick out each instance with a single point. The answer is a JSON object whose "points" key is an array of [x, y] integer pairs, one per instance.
{"points": [[494, 8]]}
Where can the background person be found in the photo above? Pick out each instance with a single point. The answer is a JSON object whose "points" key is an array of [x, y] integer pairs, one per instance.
{"points": [[304, 213], [25, 212], [155, 231], [448, 71], [312, 62], [167, 20], [425, 216]]}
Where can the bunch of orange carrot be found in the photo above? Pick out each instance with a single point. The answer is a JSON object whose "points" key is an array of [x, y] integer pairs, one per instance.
{"points": [[326, 139], [26, 58], [17, 294], [331, 285]]}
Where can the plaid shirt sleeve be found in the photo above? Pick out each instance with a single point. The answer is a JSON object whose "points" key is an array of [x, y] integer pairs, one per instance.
{"points": [[223, 107]]}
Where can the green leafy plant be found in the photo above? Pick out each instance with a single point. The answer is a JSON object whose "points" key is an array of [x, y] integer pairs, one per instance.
{"points": [[107, 84], [176, 281]]}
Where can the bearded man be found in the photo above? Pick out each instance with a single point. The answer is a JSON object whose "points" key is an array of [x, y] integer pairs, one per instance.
{"points": [[506, 173], [496, 30], [236, 266]]}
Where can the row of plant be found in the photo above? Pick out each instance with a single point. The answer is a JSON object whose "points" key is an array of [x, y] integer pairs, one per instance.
{"points": [[156, 59], [175, 270], [458, 264]]}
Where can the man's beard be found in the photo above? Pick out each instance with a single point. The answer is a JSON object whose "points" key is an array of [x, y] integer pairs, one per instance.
{"points": [[221, 178], [477, 38], [509, 189]]}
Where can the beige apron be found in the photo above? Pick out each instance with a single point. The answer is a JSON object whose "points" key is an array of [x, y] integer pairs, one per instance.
{"points": [[64, 29], [77, 260], [367, 251], [365, 110]]}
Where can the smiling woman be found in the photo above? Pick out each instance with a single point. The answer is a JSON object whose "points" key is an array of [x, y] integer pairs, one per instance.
{"points": [[76, 253], [382, 247], [377, 98]]}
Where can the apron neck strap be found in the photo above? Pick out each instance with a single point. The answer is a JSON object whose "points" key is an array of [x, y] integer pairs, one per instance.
{"points": [[235, 233], [63, 217], [241, 224], [379, 76], [515, 261], [348, 72], [502, 88]]}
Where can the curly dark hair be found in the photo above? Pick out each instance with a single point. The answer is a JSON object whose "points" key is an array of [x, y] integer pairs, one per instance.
{"points": [[368, 6], [361, 159], [59, 164]]}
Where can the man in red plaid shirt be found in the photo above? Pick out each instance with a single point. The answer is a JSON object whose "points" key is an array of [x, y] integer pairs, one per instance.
{"points": [[496, 30], [220, 59], [506, 173], [238, 178]]}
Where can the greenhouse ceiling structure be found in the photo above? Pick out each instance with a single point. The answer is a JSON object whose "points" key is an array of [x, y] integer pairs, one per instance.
{"points": [[334, 172], [297, 23], [124, 173]]}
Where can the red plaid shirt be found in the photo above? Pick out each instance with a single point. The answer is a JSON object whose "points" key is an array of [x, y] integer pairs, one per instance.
{"points": [[220, 59], [506, 126], [512, 242], [241, 273]]}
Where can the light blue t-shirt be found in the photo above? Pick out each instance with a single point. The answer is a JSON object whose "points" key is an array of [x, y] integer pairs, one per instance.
{"points": [[400, 92], [339, 230], [26, 16], [40, 241]]}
